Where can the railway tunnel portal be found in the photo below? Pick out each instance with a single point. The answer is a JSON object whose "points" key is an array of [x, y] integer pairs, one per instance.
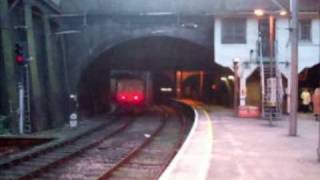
{"points": [[174, 63]]}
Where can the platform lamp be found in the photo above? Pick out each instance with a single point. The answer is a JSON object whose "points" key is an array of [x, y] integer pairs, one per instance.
{"points": [[235, 62]]}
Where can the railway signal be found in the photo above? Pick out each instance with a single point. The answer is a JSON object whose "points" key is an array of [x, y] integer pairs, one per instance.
{"points": [[20, 59], [23, 89]]}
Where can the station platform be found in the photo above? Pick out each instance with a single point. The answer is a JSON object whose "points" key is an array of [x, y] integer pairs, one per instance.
{"points": [[224, 147]]}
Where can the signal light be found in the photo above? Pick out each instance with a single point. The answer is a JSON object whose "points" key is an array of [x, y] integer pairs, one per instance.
{"points": [[20, 59]]}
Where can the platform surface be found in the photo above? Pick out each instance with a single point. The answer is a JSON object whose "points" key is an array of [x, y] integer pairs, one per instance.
{"points": [[248, 149]]}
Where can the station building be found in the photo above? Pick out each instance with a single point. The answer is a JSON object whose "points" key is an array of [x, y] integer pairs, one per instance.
{"points": [[237, 31]]}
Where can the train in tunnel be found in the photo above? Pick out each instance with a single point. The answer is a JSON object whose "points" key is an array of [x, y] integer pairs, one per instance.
{"points": [[131, 91]]}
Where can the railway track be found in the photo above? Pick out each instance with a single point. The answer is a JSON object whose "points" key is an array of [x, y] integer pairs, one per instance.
{"points": [[127, 149], [150, 161], [29, 167]]}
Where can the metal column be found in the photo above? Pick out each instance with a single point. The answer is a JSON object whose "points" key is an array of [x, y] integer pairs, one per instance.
{"points": [[37, 107], [8, 57], [294, 68]]}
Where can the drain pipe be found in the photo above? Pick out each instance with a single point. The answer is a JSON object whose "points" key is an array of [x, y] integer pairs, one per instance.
{"points": [[319, 144], [319, 34], [318, 151], [21, 108]]}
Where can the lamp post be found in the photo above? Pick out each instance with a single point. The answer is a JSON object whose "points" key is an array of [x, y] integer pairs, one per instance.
{"points": [[236, 87]]}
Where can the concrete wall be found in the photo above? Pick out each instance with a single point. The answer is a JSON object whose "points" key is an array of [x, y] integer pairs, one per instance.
{"points": [[309, 52], [224, 53]]}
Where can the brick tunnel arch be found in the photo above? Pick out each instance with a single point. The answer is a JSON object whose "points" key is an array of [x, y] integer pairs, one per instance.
{"points": [[155, 53], [199, 36], [106, 34]]}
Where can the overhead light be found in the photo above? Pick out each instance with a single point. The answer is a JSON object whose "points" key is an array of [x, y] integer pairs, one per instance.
{"points": [[223, 78], [190, 25], [230, 77], [236, 60], [283, 13], [259, 12], [166, 89], [157, 14]]}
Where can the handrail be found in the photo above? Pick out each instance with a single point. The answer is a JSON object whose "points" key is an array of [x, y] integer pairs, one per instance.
{"points": [[261, 74], [279, 78]]}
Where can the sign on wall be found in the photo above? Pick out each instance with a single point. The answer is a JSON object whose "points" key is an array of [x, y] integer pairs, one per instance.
{"points": [[271, 91]]}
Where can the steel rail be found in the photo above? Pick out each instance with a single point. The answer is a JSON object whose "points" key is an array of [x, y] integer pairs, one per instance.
{"points": [[182, 133], [25, 156], [60, 156], [133, 152], [160, 166]]}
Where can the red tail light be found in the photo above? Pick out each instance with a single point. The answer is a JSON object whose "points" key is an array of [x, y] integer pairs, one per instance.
{"points": [[138, 98], [123, 97], [134, 98]]}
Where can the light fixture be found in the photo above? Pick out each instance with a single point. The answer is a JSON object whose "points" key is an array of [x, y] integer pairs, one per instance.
{"points": [[236, 60], [231, 77], [190, 25], [223, 78], [259, 12], [283, 13], [166, 89]]}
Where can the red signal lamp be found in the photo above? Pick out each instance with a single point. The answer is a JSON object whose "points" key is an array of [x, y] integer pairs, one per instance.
{"points": [[20, 59]]}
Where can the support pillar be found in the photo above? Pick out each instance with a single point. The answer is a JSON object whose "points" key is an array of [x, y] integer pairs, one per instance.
{"points": [[9, 80], [179, 84], [289, 94], [293, 122], [149, 85], [55, 111], [243, 91], [201, 84], [38, 110]]}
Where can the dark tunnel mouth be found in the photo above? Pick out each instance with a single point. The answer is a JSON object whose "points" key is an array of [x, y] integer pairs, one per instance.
{"points": [[154, 53]]}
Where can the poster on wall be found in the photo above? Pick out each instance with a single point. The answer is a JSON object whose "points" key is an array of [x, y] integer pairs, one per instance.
{"points": [[271, 92]]}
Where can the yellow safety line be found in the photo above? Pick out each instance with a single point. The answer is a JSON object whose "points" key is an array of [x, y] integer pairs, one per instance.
{"points": [[210, 143]]}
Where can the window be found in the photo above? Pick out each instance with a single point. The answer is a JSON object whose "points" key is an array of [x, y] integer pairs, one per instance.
{"points": [[305, 30], [233, 31]]}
